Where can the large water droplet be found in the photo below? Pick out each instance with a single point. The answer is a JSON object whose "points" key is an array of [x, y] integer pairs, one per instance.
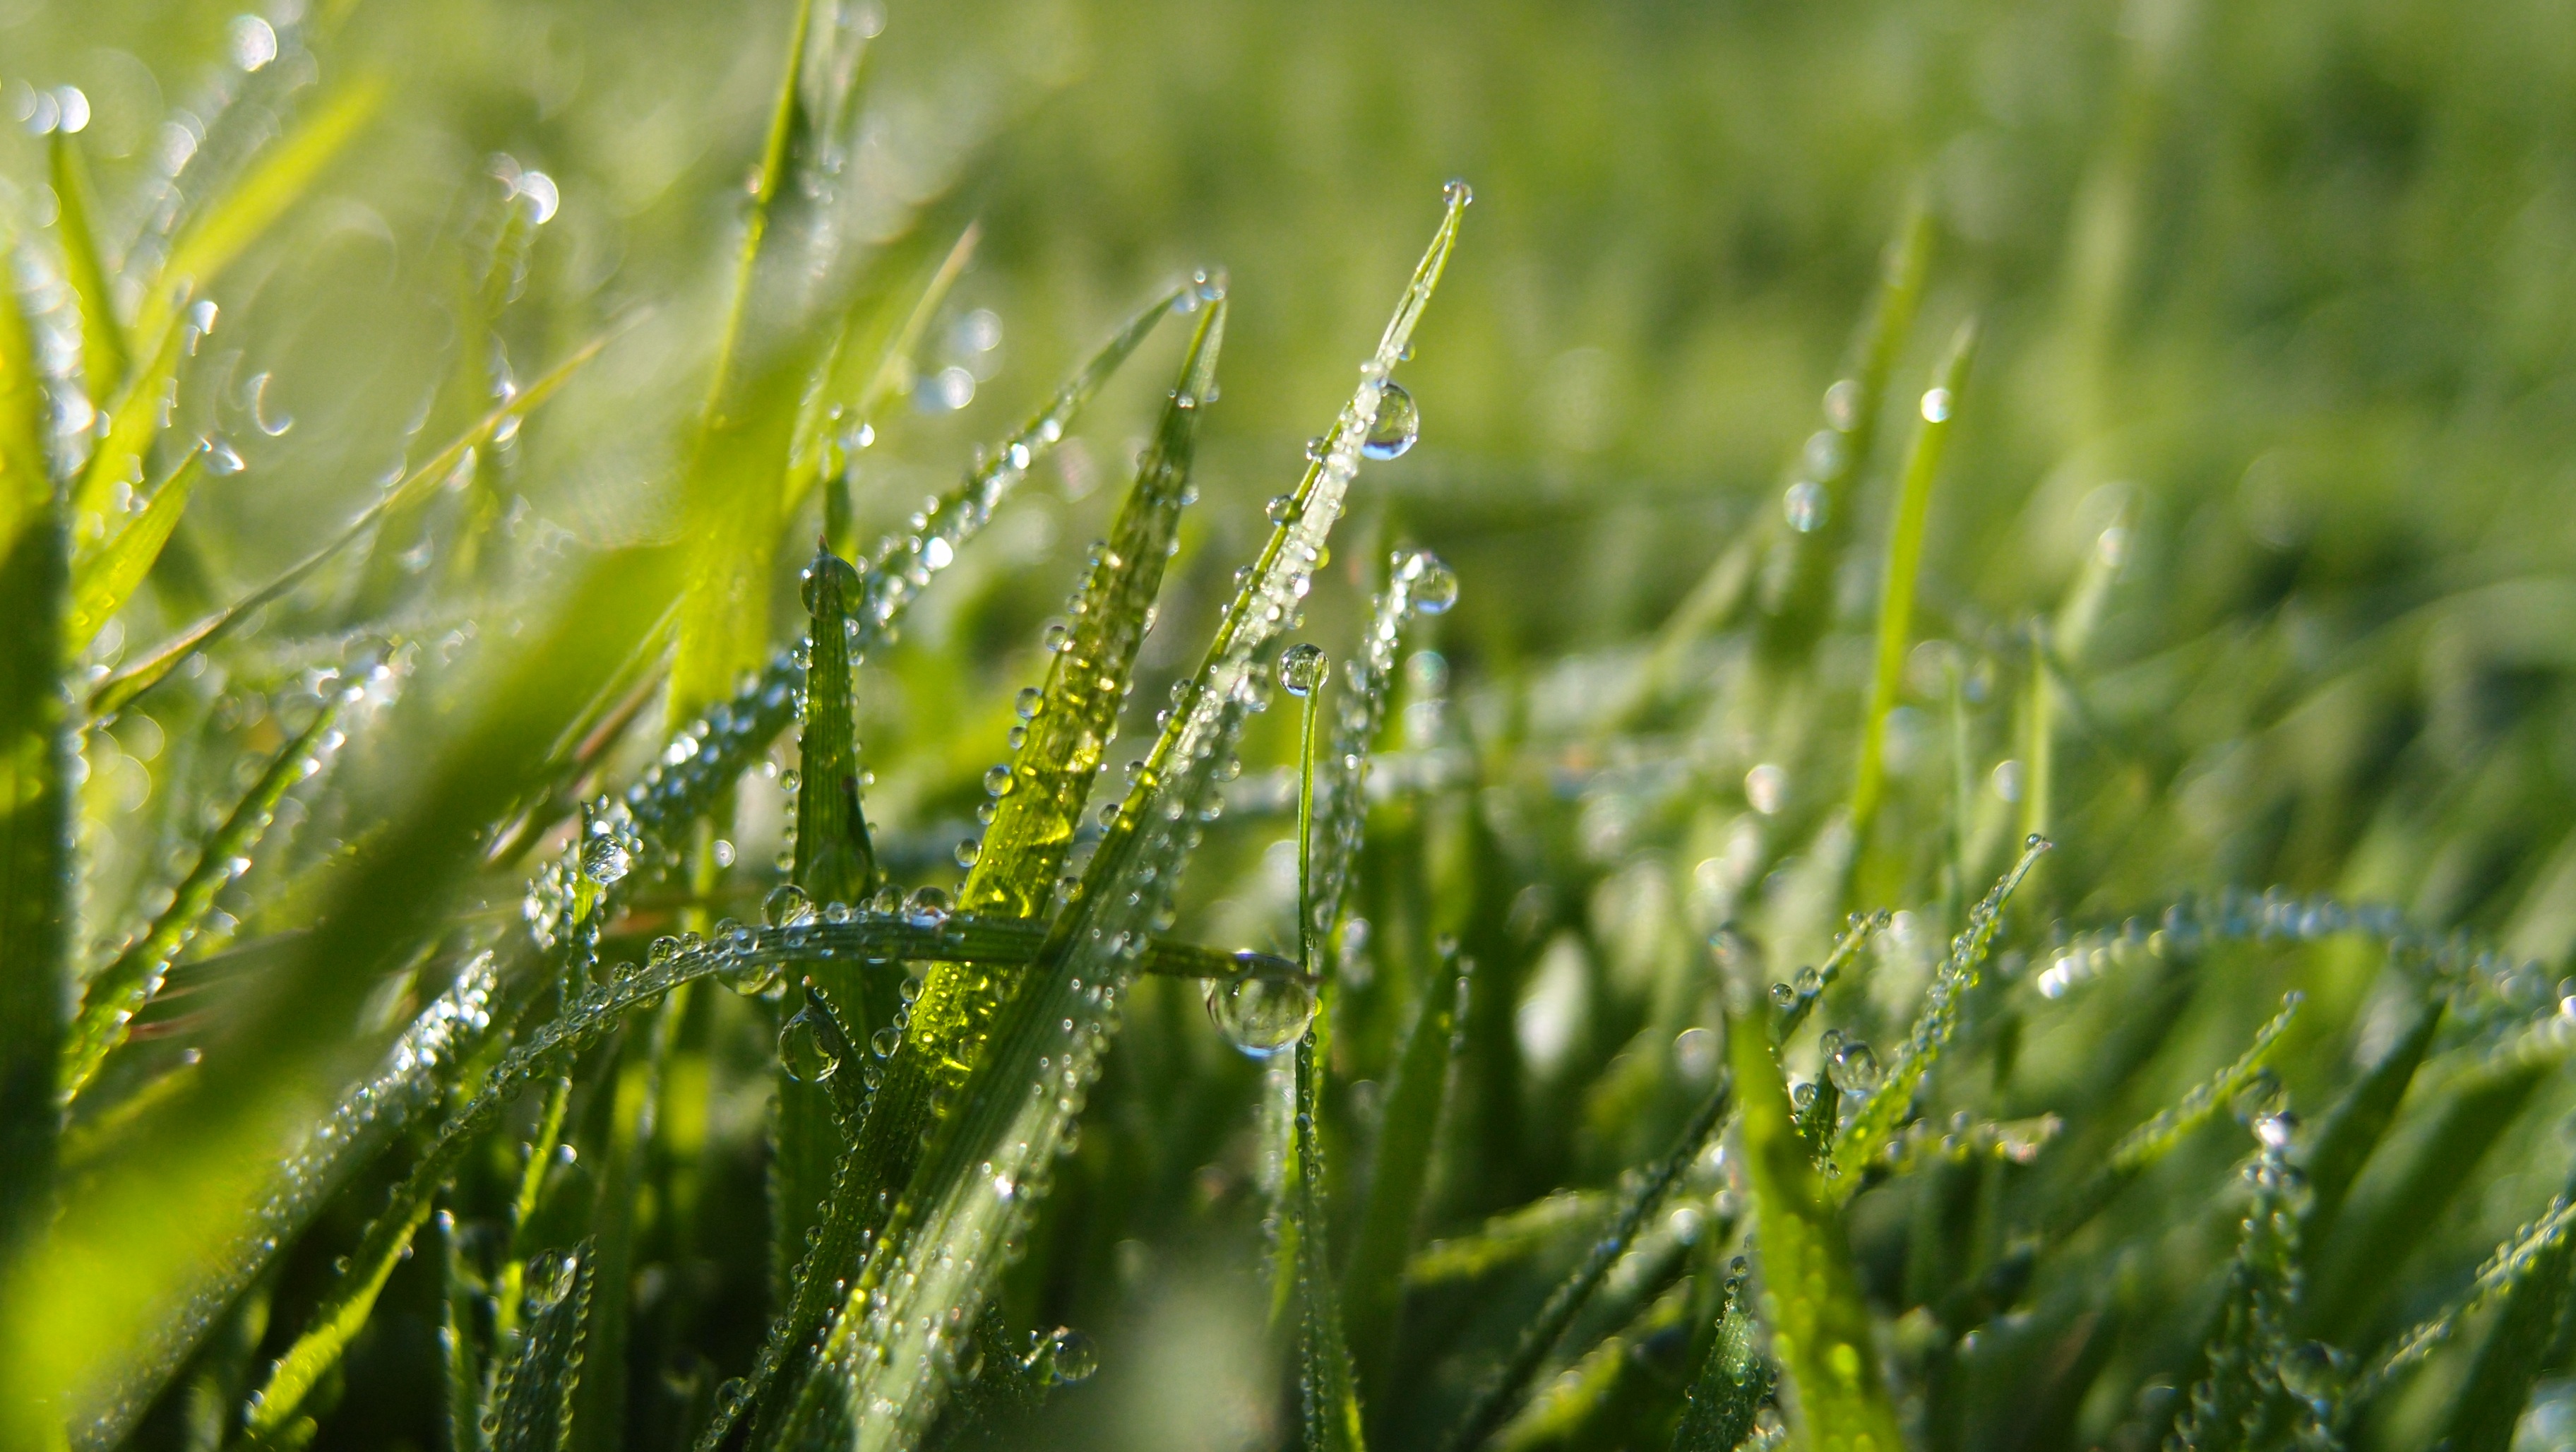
{"points": [[1303, 667], [1435, 586], [997, 782], [1806, 506], [605, 860], [1854, 1068], [1457, 193], [840, 571], [786, 906], [1281, 508], [1261, 1016], [1399, 423], [927, 906], [801, 1052], [1069, 1356]]}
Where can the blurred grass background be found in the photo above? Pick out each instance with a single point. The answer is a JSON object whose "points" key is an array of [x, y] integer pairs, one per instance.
{"points": [[2284, 294]]}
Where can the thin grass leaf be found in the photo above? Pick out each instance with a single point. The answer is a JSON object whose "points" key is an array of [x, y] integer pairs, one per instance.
{"points": [[869, 363], [1373, 1281], [2517, 1346], [2521, 1254], [1904, 565], [1510, 1237], [1734, 1382], [36, 852], [598, 1420], [133, 679], [26, 473], [217, 235], [460, 1350], [103, 352], [2354, 1128], [1811, 1300], [133, 425], [2241, 1364], [1792, 1002], [1876, 1121], [1501, 1394], [117, 992], [1416, 582], [951, 1230], [103, 582], [1328, 1397], [1802, 609], [2142, 1148], [533, 1406], [767, 182]]}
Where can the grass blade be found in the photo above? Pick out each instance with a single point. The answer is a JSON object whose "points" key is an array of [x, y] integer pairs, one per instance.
{"points": [[870, 362], [1416, 581], [102, 583], [1904, 565], [103, 353], [2516, 1348], [125, 985], [1328, 1399], [26, 475], [1875, 1123], [2354, 1128], [2242, 1360], [2523, 1253], [133, 679], [1733, 1384], [133, 424], [534, 1404], [948, 1234], [1820, 1328], [1373, 1281], [36, 853]]}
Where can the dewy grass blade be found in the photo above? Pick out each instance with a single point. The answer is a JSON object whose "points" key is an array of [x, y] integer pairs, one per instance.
{"points": [[1940, 408], [533, 1405], [138, 676], [103, 354], [2515, 1350], [766, 184], [103, 582], [1373, 1280], [2240, 1365], [1733, 1383], [1416, 582], [132, 426], [869, 363], [112, 997], [1875, 1123], [2353, 1129], [926, 1277], [36, 855], [1811, 1299]]}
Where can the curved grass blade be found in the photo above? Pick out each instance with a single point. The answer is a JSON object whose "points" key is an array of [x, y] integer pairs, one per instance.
{"points": [[2519, 1256], [102, 583], [1733, 1384], [1820, 1328], [2515, 1350], [1904, 565], [881, 1373], [1512, 1236], [103, 353], [2241, 1362], [534, 1403], [1499, 1397], [220, 233], [133, 679], [1373, 1280], [2354, 1128], [125, 985], [1875, 1123], [2143, 1147], [36, 860]]}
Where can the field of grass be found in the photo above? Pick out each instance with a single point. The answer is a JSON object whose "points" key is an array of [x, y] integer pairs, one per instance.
{"points": [[831, 724]]}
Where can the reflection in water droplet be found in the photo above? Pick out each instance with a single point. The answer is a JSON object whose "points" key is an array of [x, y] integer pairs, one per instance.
{"points": [[1842, 404], [786, 906], [1069, 1356], [1854, 1068], [1281, 508], [1399, 423], [1261, 1016], [801, 1052], [1302, 668], [605, 860], [1457, 193], [1766, 788], [1435, 585], [1805, 504]]}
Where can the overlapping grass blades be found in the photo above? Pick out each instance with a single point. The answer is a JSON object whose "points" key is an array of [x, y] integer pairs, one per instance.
{"points": [[1734, 1383], [883, 1374]]}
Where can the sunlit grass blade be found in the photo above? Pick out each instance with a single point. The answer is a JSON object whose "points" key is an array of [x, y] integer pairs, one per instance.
{"points": [[2353, 1129], [1733, 1383], [26, 475], [36, 852], [141, 674], [2142, 1148], [2240, 1365], [2517, 1347], [103, 354], [1789, 1010], [1904, 564], [1328, 1399], [1416, 581], [133, 425], [1875, 1123], [1509, 1238], [534, 1403], [1501, 1394], [115, 993], [1798, 614], [870, 362], [767, 182], [103, 582], [973, 1191], [1373, 1280], [217, 235]]}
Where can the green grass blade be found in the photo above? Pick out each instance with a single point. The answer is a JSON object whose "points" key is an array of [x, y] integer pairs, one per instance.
{"points": [[1800, 612], [140, 675], [36, 859], [870, 362], [219, 233], [1789, 1010], [2353, 1129], [1373, 1281], [533, 1405], [2529, 1251], [598, 1422], [2142, 1148], [1328, 1399], [103, 353], [2514, 1351], [1820, 1328], [1502, 1393], [102, 583], [1513, 1236], [113, 996], [1733, 1383], [26, 475], [974, 1191], [133, 424], [1875, 1123], [1416, 581], [766, 184], [1904, 566], [2240, 1365], [460, 1349]]}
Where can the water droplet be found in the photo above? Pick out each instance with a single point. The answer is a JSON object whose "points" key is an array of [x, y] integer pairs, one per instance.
{"points": [[786, 906], [664, 949], [1261, 1016], [1766, 788], [1281, 508], [1399, 423], [801, 1052], [1069, 1357], [605, 859], [840, 572], [1435, 587], [2256, 1098], [968, 850], [1806, 506], [997, 782], [1842, 404], [887, 1040], [1457, 193], [222, 458], [254, 42], [1302, 668], [1029, 702], [1783, 995], [1854, 1069], [1936, 406], [927, 906]]}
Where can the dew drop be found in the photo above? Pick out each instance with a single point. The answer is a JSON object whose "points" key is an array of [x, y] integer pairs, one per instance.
{"points": [[1457, 193], [1435, 588], [1936, 406], [997, 782], [1261, 1016], [1399, 423], [1854, 1069], [1069, 1357], [1302, 668], [801, 1052], [605, 860], [968, 850], [786, 906], [1806, 506], [927, 906]]}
